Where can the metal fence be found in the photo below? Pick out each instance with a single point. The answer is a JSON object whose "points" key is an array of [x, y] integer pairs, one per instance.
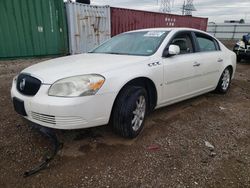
{"points": [[228, 31], [88, 26]]}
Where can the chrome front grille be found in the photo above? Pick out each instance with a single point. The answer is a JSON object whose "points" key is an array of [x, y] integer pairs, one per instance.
{"points": [[28, 85], [56, 120], [43, 118]]}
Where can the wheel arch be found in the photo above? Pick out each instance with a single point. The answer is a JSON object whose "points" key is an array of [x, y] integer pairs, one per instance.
{"points": [[231, 69], [145, 82]]}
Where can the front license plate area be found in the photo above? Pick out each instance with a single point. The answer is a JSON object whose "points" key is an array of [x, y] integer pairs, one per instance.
{"points": [[19, 106]]}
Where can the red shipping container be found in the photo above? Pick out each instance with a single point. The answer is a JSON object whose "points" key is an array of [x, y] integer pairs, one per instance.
{"points": [[123, 20]]}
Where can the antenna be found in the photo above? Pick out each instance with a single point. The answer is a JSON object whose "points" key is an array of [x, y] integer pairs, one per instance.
{"points": [[165, 6], [188, 8]]}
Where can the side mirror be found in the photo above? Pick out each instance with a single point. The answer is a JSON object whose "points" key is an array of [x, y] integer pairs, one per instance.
{"points": [[173, 50]]}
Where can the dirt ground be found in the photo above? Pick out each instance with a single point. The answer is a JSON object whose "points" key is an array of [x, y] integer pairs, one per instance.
{"points": [[170, 152]]}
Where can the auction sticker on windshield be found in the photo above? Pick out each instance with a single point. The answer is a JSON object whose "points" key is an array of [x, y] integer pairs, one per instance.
{"points": [[154, 34]]}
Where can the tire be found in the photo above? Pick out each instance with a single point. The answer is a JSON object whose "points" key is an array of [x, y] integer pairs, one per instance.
{"points": [[224, 82], [129, 111]]}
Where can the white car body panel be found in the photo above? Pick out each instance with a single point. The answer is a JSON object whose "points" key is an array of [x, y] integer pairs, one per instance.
{"points": [[56, 69], [175, 79], [180, 76]]}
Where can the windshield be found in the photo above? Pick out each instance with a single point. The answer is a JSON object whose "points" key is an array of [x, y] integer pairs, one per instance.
{"points": [[142, 43]]}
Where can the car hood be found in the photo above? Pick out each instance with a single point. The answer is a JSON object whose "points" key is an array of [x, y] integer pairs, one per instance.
{"points": [[52, 70]]}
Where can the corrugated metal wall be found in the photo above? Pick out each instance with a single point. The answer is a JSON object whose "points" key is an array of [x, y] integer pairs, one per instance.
{"points": [[32, 28], [88, 26], [228, 31], [126, 19]]}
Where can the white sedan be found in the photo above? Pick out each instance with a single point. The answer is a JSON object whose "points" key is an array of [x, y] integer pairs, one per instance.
{"points": [[122, 80]]}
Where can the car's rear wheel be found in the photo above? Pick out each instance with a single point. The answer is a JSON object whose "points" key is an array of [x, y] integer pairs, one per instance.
{"points": [[129, 111], [224, 82]]}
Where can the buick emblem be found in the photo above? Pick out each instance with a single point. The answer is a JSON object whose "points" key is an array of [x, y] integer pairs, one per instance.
{"points": [[22, 84]]}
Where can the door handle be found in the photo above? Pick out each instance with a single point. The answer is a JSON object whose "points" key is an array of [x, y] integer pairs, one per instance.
{"points": [[196, 64], [220, 60]]}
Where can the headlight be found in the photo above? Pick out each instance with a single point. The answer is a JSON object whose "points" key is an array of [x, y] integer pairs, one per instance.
{"points": [[241, 44], [77, 86]]}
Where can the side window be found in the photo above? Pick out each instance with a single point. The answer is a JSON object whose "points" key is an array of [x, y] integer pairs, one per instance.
{"points": [[206, 44], [184, 42]]}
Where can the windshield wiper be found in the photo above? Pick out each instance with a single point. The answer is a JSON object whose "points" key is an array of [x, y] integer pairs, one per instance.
{"points": [[117, 53], [114, 53]]}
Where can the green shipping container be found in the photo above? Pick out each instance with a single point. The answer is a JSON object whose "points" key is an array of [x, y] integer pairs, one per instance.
{"points": [[32, 28]]}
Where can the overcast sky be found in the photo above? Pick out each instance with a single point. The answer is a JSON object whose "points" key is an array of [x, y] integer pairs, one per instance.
{"points": [[215, 10]]}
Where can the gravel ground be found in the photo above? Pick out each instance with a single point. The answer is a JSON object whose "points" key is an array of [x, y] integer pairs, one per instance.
{"points": [[202, 142]]}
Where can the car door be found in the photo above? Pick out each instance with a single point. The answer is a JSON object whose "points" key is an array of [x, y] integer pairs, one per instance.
{"points": [[211, 60], [180, 71]]}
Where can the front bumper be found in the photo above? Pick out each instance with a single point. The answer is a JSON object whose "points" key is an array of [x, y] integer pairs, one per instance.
{"points": [[66, 113], [244, 53]]}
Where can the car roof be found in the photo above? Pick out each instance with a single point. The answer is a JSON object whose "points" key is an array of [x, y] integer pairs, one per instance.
{"points": [[174, 29], [168, 29]]}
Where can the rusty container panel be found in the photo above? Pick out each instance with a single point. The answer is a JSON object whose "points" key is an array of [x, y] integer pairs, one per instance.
{"points": [[123, 20], [88, 26]]}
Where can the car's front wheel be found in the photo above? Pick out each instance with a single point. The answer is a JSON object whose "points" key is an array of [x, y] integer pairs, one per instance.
{"points": [[225, 81], [129, 111]]}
